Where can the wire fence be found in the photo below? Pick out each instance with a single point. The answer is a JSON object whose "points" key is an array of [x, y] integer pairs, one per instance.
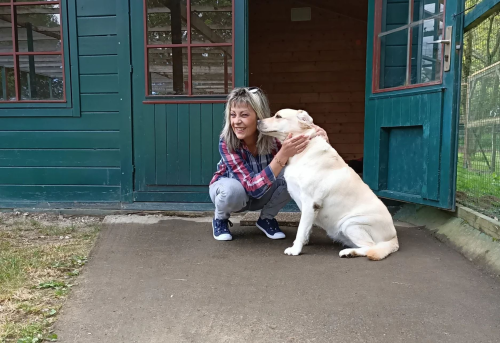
{"points": [[478, 170]]}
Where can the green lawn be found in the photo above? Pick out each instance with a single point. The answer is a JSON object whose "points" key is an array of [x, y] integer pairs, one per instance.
{"points": [[39, 263], [477, 187]]}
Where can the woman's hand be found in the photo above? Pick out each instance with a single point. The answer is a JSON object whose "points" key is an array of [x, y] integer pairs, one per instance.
{"points": [[293, 145], [320, 132]]}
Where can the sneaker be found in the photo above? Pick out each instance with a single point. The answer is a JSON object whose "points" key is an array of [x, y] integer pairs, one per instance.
{"points": [[221, 229], [271, 228]]}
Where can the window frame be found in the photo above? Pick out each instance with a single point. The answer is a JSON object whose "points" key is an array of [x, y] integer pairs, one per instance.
{"points": [[376, 67], [190, 97], [70, 107]]}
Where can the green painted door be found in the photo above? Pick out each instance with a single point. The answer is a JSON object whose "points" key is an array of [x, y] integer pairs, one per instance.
{"points": [[182, 70], [412, 97]]}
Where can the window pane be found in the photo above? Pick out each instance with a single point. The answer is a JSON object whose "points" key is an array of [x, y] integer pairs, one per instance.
{"points": [[166, 23], [426, 56], [168, 71], [394, 46], [426, 9], [211, 21], [212, 70], [7, 84], [41, 77], [393, 59], [5, 29], [38, 28], [395, 14]]}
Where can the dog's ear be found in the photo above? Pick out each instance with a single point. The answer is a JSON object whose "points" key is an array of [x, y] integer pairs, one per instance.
{"points": [[304, 116]]}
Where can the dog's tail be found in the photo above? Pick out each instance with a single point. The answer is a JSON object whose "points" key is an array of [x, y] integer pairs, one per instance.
{"points": [[383, 249]]}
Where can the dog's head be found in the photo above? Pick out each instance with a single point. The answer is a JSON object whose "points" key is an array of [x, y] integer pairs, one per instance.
{"points": [[286, 121]]}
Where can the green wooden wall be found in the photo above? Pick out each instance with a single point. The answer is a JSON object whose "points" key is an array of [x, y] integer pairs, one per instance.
{"points": [[73, 158], [176, 151]]}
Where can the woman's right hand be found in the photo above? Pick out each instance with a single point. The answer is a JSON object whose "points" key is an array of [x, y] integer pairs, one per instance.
{"points": [[293, 145]]}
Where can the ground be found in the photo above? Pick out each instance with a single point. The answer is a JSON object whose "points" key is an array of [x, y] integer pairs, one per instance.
{"points": [[170, 281], [41, 256]]}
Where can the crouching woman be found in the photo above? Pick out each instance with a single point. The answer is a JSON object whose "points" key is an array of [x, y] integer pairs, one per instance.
{"points": [[249, 175]]}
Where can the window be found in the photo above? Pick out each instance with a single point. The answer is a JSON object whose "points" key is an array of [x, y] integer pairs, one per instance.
{"points": [[31, 51], [406, 52], [189, 55]]}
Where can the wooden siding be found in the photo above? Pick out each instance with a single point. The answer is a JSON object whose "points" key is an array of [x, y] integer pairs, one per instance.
{"points": [[71, 158], [177, 151], [404, 134], [316, 65]]}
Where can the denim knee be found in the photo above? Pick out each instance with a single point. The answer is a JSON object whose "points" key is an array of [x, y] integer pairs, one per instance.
{"points": [[228, 195]]}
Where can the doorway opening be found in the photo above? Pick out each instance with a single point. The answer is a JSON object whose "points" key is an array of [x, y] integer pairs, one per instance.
{"points": [[311, 55]]}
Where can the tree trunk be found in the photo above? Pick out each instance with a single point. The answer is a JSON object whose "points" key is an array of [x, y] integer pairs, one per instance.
{"points": [[464, 99]]}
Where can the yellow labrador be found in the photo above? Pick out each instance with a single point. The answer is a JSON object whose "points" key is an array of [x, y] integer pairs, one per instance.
{"points": [[330, 194]]}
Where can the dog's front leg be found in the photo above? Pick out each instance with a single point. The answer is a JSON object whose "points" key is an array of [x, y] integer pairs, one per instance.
{"points": [[304, 230]]}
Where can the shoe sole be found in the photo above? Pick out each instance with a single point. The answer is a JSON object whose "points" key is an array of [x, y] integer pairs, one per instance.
{"points": [[220, 239], [268, 236]]}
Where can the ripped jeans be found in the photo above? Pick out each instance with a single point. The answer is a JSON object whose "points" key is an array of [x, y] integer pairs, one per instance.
{"points": [[229, 196]]}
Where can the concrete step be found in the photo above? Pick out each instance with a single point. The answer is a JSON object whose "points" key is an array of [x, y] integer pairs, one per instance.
{"points": [[284, 219], [291, 219]]}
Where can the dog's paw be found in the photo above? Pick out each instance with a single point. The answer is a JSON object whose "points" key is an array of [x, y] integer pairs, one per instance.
{"points": [[347, 253], [292, 251]]}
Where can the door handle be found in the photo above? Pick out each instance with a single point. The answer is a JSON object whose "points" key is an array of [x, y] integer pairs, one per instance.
{"points": [[443, 41], [447, 47]]}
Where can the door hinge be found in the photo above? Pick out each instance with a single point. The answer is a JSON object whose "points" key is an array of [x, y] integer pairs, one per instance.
{"points": [[131, 68]]}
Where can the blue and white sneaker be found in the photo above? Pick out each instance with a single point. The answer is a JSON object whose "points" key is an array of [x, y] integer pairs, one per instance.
{"points": [[221, 229], [271, 228]]}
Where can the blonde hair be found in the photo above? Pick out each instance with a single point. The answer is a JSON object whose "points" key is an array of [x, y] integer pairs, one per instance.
{"points": [[255, 98]]}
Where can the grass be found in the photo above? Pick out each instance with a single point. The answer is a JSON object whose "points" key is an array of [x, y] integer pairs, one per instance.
{"points": [[477, 187], [39, 263]]}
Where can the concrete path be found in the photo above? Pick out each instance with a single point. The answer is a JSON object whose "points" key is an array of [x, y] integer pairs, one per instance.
{"points": [[172, 282]]}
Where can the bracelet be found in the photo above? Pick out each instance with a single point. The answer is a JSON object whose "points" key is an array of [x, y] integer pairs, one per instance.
{"points": [[279, 162]]}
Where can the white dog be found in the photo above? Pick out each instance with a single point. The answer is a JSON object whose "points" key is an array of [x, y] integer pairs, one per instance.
{"points": [[330, 194]]}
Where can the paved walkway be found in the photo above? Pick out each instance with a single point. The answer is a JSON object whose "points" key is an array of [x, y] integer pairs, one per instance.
{"points": [[172, 282]]}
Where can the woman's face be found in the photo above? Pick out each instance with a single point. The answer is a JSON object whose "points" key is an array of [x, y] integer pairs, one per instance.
{"points": [[244, 122]]}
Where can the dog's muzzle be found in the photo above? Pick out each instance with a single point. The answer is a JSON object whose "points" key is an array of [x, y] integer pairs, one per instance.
{"points": [[260, 125]]}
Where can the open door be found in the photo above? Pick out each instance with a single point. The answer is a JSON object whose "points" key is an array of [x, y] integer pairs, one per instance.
{"points": [[412, 98]]}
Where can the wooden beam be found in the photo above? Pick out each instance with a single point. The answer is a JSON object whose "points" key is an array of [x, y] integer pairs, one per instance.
{"points": [[483, 122], [479, 13], [184, 28], [194, 8], [37, 10], [34, 28], [196, 69], [205, 77], [489, 69]]}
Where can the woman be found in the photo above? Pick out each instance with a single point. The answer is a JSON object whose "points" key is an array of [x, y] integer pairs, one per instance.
{"points": [[250, 174]]}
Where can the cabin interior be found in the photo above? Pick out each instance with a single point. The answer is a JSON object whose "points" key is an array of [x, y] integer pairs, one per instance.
{"points": [[311, 55]]}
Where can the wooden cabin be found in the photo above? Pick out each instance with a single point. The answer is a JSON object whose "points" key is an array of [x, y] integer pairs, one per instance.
{"points": [[118, 104]]}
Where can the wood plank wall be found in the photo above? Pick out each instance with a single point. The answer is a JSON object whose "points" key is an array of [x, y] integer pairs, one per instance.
{"points": [[66, 159], [316, 65]]}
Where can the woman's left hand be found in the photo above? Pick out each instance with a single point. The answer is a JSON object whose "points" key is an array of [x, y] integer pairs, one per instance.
{"points": [[320, 132]]}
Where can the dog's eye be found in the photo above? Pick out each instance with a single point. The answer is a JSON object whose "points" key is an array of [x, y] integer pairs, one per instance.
{"points": [[278, 116]]}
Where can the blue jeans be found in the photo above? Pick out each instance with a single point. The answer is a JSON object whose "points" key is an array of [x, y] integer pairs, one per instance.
{"points": [[229, 196]]}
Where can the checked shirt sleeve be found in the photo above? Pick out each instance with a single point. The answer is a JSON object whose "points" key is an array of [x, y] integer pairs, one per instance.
{"points": [[255, 184]]}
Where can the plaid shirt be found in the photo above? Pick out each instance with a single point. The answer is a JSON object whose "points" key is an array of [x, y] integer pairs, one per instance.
{"points": [[253, 172]]}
